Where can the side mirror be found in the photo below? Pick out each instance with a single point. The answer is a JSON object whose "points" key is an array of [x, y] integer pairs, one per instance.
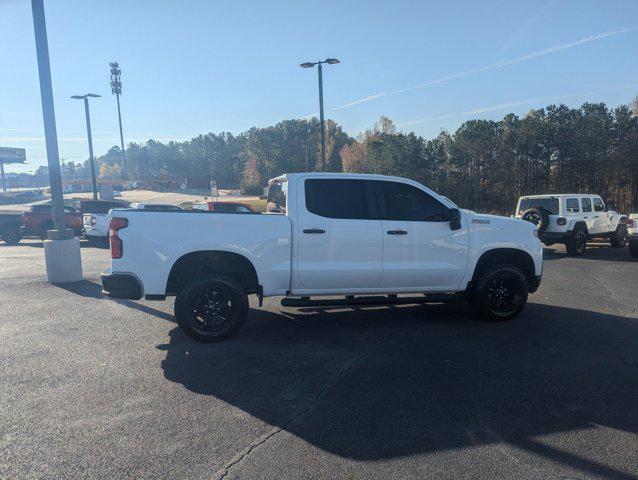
{"points": [[455, 219]]}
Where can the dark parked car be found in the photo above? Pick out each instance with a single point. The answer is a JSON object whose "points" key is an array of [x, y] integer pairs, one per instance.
{"points": [[38, 220], [10, 224], [99, 206]]}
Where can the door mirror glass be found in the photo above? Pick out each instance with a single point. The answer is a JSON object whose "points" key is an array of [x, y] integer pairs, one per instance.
{"points": [[455, 219]]}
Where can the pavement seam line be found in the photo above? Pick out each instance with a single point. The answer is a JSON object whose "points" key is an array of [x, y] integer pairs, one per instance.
{"points": [[225, 470]]}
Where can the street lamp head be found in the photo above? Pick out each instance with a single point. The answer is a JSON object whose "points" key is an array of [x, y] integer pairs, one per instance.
{"points": [[307, 65], [78, 97], [332, 61], [93, 95]]}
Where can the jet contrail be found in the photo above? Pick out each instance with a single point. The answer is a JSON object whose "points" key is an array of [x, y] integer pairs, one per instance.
{"points": [[518, 103], [492, 66]]}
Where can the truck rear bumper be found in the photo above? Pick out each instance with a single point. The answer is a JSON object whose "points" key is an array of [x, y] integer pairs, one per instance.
{"points": [[121, 285], [554, 237]]}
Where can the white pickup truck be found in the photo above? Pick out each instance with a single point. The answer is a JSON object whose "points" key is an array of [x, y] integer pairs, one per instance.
{"points": [[325, 234]]}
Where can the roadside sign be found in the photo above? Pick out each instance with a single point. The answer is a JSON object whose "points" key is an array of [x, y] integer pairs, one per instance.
{"points": [[214, 192], [12, 155]]}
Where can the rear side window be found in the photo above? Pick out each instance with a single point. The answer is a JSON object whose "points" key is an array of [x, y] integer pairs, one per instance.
{"points": [[225, 207], [99, 207], [277, 193], [162, 208], [549, 204], [599, 206], [400, 201], [41, 208], [586, 204], [340, 198], [571, 205]]}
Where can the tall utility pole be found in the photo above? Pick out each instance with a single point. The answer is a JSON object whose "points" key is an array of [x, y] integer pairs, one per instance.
{"points": [[48, 114], [330, 61], [61, 250], [90, 137], [323, 128], [116, 88]]}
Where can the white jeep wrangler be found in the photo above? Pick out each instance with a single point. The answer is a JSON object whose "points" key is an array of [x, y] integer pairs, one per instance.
{"points": [[572, 219]]}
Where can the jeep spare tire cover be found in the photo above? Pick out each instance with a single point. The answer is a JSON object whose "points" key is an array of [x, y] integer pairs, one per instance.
{"points": [[538, 217]]}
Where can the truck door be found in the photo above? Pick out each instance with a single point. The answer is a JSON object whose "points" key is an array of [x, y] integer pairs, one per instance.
{"points": [[420, 251], [339, 242], [588, 214], [601, 217]]}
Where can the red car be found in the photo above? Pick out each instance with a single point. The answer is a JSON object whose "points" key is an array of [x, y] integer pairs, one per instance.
{"points": [[38, 220], [235, 207]]}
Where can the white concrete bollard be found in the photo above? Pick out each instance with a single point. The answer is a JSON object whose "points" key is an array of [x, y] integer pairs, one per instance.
{"points": [[63, 260]]}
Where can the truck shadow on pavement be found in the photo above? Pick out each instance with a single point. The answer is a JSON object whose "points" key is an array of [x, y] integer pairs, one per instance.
{"points": [[380, 383], [89, 289]]}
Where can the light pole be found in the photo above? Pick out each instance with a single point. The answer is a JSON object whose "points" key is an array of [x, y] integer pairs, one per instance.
{"points": [[116, 89], [88, 133], [330, 61], [61, 249]]}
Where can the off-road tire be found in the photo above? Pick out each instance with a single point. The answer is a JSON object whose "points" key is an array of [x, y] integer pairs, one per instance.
{"points": [[618, 238], [482, 296], [11, 237], [577, 243], [189, 302], [538, 217], [633, 247]]}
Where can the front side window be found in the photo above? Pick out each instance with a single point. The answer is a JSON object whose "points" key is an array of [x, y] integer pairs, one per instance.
{"points": [[340, 198], [586, 204], [571, 205], [599, 206], [406, 202]]}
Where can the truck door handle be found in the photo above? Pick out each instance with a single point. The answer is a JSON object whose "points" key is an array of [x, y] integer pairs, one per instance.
{"points": [[397, 232], [314, 230]]}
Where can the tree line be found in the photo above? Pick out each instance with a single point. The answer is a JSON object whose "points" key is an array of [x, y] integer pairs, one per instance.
{"points": [[484, 165]]}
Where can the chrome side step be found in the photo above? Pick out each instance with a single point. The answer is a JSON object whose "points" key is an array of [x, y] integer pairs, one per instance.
{"points": [[367, 300]]}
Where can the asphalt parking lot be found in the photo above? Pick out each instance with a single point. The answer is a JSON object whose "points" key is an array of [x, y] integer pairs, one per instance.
{"points": [[97, 388]]}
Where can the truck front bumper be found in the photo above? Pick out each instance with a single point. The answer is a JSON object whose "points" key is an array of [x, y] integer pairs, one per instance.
{"points": [[121, 285]]}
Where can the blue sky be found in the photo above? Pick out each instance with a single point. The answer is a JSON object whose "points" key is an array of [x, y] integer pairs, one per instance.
{"points": [[193, 67]]}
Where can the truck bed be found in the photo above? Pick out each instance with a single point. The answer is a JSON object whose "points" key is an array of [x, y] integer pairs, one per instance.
{"points": [[154, 241]]}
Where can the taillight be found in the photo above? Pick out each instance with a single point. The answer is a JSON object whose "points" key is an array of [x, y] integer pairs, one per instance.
{"points": [[117, 246], [630, 223], [25, 219], [93, 220]]}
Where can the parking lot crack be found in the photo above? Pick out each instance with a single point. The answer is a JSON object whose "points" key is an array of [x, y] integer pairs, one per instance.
{"points": [[262, 439]]}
